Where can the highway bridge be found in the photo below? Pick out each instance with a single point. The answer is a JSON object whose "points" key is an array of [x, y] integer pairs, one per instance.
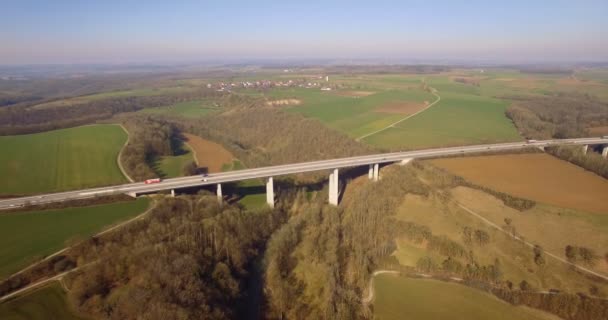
{"points": [[333, 165]]}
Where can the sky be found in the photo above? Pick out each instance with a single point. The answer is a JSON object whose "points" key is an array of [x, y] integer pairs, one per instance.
{"points": [[126, 31]]}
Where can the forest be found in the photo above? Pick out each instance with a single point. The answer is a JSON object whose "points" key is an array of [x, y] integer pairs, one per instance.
{"points": [[559, 116]]}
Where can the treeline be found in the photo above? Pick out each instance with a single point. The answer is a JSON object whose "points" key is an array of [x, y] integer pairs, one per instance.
{"points": [[591, 161], [442, 179], [566, 305], [7, 100], [262, 136], [563, 115], [148, 139], [23, 120], [189, 259]]}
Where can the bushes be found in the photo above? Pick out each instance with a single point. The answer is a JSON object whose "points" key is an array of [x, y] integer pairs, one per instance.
{"points": [[590, 161]]}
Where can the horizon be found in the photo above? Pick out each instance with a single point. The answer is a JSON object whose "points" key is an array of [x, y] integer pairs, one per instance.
{"points": [[116, 33]]}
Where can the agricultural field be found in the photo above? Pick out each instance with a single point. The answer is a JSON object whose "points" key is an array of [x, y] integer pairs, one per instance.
{"points": [[28, 236], [48, 302], [356, 112], [210, 156], [188, 109], [406, 298], [538, 177], [63, 159]]}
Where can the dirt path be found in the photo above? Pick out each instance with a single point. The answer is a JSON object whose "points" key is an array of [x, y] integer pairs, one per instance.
{"points": [[370, 292], [497, 227], [118, 159], [433, 91]]}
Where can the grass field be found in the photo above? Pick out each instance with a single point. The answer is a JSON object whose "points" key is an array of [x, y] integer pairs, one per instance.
{"points": [[27, 236], [171, 167], [539, 177], [46, 303], [352, 114], [560, 227], [458, 119], [188, 109], [60, 160], [406, 298]]}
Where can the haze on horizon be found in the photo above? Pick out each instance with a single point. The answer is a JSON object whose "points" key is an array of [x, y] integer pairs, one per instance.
{"points": [[63, 31]]}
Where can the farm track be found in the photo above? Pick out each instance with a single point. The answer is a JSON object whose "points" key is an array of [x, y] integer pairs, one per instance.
{"points": [[370, 294], [60, 276], [119, 158], [392, 125], [531, 245]]}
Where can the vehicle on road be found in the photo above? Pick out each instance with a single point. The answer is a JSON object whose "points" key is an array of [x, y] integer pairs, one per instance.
{"points": [[205, 175], [151, 181], [531, 140]]}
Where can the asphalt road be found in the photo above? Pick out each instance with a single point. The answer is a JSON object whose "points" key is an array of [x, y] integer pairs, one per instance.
{"points": [[273, 171]]}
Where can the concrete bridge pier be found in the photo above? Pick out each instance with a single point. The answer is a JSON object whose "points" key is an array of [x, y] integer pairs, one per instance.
{"points": [[376, 172], [370, 174], [173, 193], [585, 148], [220, 197], [270, 192], [333, 187], [605, 152]]}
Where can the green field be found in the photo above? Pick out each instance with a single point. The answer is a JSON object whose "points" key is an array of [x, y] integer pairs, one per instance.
{"points": [[251, 199], [459, 118], [46, 303], [171, 167], [354, 116], [405, 298], [61, 160], [188, 109], [466, 114], [27, 236]]}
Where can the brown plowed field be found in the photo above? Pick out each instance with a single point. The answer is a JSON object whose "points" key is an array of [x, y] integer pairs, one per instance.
{"points": [[208, 154], [539, 177], [403, 107]]}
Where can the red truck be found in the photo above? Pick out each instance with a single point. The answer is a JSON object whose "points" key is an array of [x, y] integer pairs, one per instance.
{"points": [[150, 181]]}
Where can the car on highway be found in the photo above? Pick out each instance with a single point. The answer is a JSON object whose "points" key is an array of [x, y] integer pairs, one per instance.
{"points": [[205, 177], [151, 181], [531, 140]]}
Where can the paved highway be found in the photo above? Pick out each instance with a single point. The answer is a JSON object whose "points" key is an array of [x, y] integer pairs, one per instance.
{"points": [[233, 176]]}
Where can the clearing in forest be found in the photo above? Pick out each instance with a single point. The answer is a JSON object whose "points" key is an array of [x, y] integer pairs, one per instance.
{"points": [[210, 155]]}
